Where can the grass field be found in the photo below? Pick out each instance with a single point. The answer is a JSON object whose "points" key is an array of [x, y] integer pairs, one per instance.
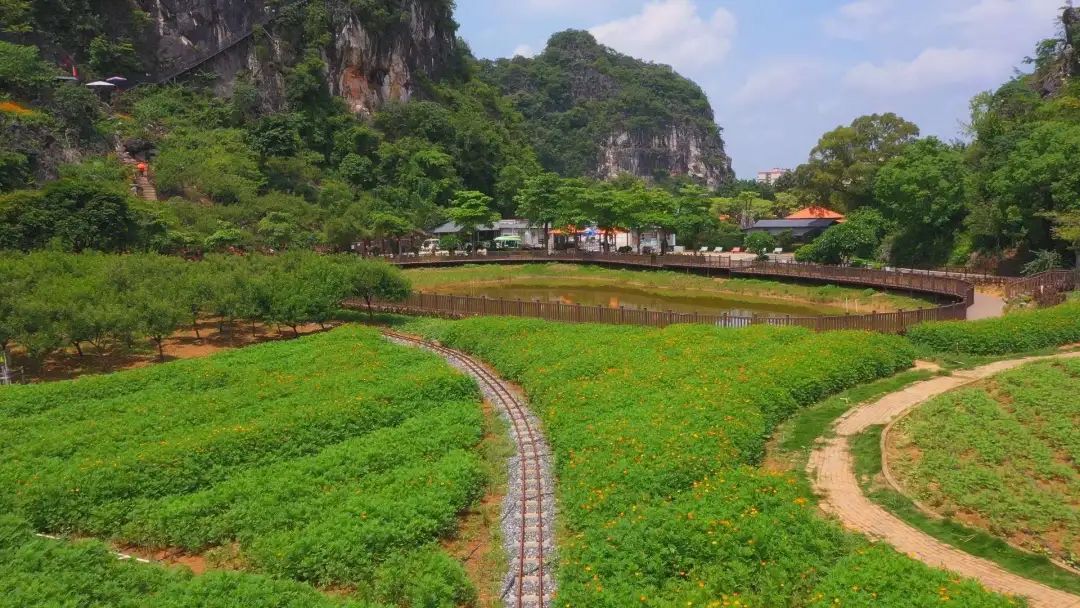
{"points": [[1001, 457], [839, 299], [337, 460], [658, 436]]}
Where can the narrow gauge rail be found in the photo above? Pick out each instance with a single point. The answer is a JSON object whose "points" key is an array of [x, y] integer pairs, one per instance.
{"points": [[530, 582]]}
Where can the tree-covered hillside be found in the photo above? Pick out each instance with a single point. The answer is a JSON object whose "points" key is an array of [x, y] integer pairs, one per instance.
{"points": [[314, 124], [1006, 195], [592, 111]]}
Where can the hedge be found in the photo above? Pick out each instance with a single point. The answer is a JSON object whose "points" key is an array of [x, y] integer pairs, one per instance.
{"points": [[1015, 333]]}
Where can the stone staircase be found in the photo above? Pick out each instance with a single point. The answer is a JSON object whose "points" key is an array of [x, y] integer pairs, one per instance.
{"points": [[144, 188]]}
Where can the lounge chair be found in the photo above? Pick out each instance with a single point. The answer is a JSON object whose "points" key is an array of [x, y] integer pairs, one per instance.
{"points": [[737, 250], [778, 250], [703, 250], [718, 250]]}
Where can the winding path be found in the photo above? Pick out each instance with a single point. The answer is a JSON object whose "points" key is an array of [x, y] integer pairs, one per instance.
{"points": [[832, 471], [528, 513]]}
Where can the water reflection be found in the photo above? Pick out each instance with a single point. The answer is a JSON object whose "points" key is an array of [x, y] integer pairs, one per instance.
{"points": [[633, 298]]}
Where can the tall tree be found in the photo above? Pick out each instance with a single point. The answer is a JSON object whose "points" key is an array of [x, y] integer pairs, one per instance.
{"points": [[842, 166], [471, 210], [538, 201], [922, 192]]}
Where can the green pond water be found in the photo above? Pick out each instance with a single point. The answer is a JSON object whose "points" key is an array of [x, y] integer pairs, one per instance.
{"points": [[637, 299]]}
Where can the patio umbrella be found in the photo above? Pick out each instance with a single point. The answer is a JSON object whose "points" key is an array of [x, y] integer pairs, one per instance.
{"points": [[101, 84]]}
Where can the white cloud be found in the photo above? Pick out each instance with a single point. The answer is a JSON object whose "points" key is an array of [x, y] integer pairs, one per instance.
{"points": [[859, 20], [1017, 24], [933, 68], [778, 81], [672, 32], [523, 50]]}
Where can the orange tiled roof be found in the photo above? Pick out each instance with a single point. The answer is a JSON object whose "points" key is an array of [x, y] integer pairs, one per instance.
{"points": [[816, 213]]}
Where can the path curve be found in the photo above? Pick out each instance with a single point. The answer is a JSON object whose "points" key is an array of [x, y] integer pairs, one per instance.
{"points": [[528, 513], [832, 470]]}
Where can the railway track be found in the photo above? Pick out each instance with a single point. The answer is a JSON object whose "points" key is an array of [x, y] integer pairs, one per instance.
{"points": [[529, 508]]}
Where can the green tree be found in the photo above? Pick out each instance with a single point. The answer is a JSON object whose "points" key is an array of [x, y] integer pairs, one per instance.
{"points": [[1067, 228], [922, 192], [375, 280], [538, 201], [760, 243], [470, 210], [843, 164], [859, 237]]}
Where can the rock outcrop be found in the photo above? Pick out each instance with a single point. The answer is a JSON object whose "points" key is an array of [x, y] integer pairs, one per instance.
{"points": [[593, 111], [371, 58]]}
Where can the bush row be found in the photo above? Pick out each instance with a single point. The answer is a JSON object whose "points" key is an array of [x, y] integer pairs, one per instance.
{"points": [[1014, 333], [338, 459]]}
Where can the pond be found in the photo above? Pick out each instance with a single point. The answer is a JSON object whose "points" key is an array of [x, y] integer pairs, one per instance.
{"points": [[632, 298]]}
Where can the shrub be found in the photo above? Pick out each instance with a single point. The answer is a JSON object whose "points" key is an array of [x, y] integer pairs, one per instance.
{"points": [[1014, 333]]}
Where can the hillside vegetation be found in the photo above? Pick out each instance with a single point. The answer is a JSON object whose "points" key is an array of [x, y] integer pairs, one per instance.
{"points": [[337, 460], [657, 447]]}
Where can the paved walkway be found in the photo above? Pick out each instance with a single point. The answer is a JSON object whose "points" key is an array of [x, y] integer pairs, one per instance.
{"points": [[986, 306], [832, 471]]}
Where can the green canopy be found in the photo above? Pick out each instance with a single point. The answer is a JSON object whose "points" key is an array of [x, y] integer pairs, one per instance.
{"points": [[508, 239]]}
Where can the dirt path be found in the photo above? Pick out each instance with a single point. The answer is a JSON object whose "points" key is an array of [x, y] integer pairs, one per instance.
{"points": [[831, 468], [528, 515]]}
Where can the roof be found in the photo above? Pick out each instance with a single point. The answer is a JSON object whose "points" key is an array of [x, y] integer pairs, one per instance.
{"points": [[820, 213], [511, 224], [789, 224]]}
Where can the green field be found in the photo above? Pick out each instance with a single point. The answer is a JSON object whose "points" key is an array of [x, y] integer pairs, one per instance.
{"points": [[658, 435], [337, 460], [839, 299], [1001, 457]]}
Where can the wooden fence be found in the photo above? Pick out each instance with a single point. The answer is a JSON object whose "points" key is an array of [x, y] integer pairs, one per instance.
{"points": [[457, 307], [1047, 287], [961, 292]]}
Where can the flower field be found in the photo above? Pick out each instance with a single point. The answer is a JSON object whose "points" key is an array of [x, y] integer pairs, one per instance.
{"points": [[1001, 457], [337, 460], [657, 435]]}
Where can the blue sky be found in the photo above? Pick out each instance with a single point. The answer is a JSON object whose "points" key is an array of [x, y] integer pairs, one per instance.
{"points": [[779, 73]]}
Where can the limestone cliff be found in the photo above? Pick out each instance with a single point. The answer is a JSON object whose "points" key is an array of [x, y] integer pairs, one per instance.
{"points": [[373, 55], [593, 111]]}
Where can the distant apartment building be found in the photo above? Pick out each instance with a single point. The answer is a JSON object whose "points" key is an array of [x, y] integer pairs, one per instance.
{"points": [[769, 177]]}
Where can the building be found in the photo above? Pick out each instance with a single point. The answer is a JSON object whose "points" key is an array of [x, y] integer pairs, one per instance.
{"points": [[800, 229], [816, 213], [531, 237], [771, 176]]}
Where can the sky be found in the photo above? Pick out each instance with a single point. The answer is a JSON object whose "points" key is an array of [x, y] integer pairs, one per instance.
{"points": [[780, 73]]}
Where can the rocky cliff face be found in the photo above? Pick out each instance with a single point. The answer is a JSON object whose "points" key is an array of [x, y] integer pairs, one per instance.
{"points": [[593, 111], [1063, 63], [372, 58], [683, 150]]}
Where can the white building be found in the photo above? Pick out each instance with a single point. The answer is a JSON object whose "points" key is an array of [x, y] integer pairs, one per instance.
{"points": [[771, 176]]}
